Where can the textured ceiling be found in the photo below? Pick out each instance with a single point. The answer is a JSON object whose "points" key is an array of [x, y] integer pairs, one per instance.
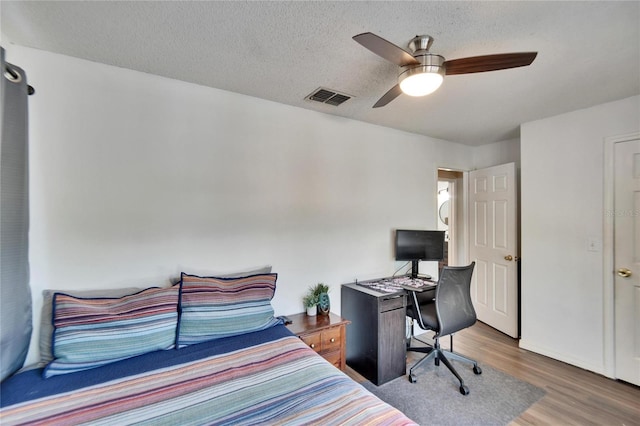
{"points": [[589, 53]]}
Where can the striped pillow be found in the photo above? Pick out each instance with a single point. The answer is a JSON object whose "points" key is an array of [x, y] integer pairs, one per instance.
{"points": [[212, 308], [91, 332]]}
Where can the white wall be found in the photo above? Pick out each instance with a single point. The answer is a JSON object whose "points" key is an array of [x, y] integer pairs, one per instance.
{"points": [[497, 153], [562, 208], [135, 178]]}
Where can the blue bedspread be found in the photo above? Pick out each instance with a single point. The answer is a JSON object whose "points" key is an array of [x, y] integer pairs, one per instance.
{"points": [[267, 377], [30, 384]]}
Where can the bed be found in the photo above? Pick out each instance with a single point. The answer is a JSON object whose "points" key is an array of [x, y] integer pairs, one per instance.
{"points": [[230, 363]]}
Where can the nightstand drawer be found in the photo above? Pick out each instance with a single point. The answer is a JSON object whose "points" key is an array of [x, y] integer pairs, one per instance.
{"points": [[331, 339], [313, 340], [325, 334]]}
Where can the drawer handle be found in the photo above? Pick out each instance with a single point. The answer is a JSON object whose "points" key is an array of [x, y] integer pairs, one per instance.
{"points": [[333, 340], [393, 297], [313, 345]]}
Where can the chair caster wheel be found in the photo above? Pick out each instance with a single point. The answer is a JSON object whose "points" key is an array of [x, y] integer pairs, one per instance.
{"points": [[464, 390], [477, 370], [412, 378]]}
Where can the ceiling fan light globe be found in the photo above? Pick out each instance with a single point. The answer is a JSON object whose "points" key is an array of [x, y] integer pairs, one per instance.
{"points": [[421, 84]]}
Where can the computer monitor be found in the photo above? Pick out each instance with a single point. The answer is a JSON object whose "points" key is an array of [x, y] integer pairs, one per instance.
{"points": [[416, 246]]}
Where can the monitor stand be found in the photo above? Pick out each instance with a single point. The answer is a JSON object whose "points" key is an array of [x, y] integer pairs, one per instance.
{"points": [[414, 268]]}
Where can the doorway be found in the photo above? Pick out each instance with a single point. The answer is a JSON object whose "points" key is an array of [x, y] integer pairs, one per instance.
{"points": [[449, 215]]}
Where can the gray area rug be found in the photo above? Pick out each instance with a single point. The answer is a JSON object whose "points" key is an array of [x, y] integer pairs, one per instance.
{"points": [[495, 398]]}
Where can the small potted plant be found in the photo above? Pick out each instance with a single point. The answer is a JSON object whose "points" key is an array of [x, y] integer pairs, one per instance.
{"points": [[321, 291], [310, 301]]}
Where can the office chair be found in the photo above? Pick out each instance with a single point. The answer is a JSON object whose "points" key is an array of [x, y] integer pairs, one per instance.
{"points": [[451, 311]]}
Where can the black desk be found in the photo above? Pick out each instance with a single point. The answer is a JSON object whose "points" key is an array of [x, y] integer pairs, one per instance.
{"points": [[376, 343]]}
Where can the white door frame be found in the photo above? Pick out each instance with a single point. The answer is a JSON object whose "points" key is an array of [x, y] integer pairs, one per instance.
{"points": [[462, 225], [608, 296]]}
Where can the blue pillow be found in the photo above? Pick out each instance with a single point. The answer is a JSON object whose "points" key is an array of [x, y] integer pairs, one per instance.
{"points": [[92, 332], [46, 317], [215, 307]]}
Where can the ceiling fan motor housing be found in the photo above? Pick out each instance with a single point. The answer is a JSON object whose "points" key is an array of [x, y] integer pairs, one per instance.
{"points": [[429, 63]]}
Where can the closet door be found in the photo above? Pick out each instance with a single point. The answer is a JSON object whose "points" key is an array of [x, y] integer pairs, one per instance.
{"points": [[627, 260]]}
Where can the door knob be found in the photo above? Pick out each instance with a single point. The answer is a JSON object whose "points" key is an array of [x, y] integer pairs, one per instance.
{"points": [[624, 272], [508, 258]]}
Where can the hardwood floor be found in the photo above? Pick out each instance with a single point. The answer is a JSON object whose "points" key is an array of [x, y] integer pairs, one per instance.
{"points": [[574, 396]]}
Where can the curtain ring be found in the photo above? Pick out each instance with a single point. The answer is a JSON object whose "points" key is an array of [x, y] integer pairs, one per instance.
{"points": [[15, 77], [12, 75]]}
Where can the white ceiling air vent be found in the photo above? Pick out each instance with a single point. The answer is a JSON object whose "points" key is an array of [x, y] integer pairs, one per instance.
{"points": [[328, 96]]}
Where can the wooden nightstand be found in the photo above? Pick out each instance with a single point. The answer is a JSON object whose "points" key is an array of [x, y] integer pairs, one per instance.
{"points": [[325, 334]]}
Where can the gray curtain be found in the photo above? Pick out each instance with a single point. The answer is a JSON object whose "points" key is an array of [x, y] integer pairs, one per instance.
{"points": [[15, 294]]}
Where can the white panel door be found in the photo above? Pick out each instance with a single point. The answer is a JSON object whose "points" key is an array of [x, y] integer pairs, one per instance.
{"points": [[627, 260], [493, 245]]}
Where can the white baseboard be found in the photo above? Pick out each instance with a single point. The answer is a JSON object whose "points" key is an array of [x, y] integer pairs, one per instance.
{"points": [[568, 359]]}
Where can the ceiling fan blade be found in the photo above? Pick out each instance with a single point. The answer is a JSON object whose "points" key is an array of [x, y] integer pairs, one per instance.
{"points": [[393, 93], [386, 49], [488, 63]]}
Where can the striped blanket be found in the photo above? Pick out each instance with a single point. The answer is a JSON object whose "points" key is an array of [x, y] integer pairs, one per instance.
{"points": [[278, 381]]}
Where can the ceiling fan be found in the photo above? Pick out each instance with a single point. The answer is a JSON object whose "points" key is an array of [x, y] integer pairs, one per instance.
{"points": [[422, 72]]}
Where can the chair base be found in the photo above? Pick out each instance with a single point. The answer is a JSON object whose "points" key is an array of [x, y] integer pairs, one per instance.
{"points": [[437, 354]]}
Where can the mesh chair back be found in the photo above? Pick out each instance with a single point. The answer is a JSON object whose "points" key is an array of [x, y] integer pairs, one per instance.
{"points": [[453, 299]]}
